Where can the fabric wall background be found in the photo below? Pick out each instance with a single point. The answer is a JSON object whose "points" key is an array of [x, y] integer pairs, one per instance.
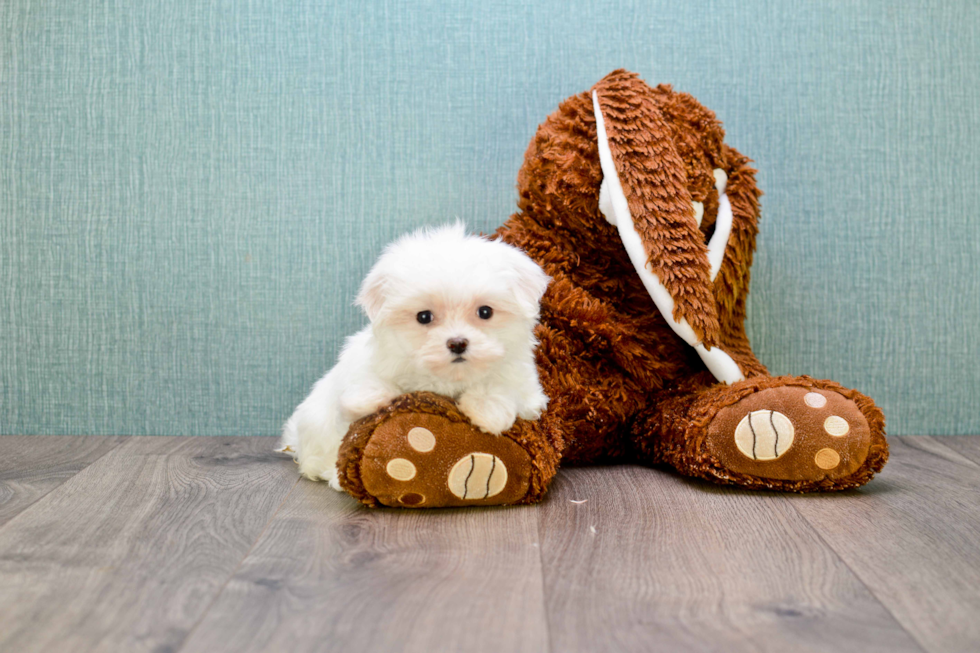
{"points": [[190, 191]]}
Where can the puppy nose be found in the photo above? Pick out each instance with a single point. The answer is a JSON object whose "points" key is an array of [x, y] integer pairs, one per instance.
{"points": [[457, 345]]}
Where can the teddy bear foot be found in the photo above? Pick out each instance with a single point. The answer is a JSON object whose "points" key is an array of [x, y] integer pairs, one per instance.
{"points": [[804, 435], [422, 452]]}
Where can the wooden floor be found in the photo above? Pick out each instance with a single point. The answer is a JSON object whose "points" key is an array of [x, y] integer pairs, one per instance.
{"points": [[212, 544]]}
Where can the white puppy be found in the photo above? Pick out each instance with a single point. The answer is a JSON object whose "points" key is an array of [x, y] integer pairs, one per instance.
{"points": [[450, 313]]}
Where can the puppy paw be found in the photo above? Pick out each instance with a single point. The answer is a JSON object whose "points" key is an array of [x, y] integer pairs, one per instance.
{"points": [[332, 479], [286, 449], [534, 406], [289, 442], [360, 400], [488, 412]]}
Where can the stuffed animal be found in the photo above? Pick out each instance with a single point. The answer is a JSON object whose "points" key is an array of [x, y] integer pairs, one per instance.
{"points": [[646, 221]]}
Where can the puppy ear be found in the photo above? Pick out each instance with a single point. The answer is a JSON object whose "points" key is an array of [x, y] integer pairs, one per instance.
{"points": [[530, 284], [373, 293]]}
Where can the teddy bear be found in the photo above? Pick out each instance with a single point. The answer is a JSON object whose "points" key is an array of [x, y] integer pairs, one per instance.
{"points": [[645, 220]]}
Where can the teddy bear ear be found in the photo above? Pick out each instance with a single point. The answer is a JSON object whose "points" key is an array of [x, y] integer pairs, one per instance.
{"points": [[645, 194]]}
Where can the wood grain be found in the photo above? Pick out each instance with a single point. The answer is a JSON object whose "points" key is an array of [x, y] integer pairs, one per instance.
{"points": [[330, 574], [128, 554], [913, 537], [654, 562], [32, 466], [968, 447]]}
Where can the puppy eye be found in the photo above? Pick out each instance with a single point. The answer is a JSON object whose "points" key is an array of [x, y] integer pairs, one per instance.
{"points": [[485, 312], [424, 317]]}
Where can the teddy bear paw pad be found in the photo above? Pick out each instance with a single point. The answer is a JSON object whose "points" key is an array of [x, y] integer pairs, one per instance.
{"points": [[419, 460], [478, 476], [791, 433]]}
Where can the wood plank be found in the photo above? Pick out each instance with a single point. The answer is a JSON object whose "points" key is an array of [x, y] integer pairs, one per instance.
{"points": [[33, 465], [652, 561], [329, 574], [965, 445], [913, 537], [128, 554]]}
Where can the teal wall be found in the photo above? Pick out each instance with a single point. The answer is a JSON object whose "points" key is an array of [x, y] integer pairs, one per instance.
{"points": [[190, 191]]}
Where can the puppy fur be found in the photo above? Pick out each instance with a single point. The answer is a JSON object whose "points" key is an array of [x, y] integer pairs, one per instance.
{"points": [[451, 276]]}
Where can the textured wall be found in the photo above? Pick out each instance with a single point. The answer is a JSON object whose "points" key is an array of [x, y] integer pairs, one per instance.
{"points": [[190, 191]]}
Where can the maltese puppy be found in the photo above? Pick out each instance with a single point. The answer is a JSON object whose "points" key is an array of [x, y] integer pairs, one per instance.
{"points": [[450, 313]]}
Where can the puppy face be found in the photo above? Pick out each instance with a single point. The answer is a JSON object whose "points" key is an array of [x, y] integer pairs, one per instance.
{"points": [[451, 305]]}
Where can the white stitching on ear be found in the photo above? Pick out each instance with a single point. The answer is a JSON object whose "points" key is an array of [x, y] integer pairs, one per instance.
{"points": [[605, 202], [720, 364], [723, 226], [698, 212], [616, 210]]}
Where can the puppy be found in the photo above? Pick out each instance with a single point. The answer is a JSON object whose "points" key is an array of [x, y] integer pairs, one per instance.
{"points": [[450, 313]]}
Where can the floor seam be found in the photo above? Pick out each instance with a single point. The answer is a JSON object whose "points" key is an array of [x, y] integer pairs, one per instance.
{"points": [[539, 517], [123, 439], [941, 441], [856, 575]]}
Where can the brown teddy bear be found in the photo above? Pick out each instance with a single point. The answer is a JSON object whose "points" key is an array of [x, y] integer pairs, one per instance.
{"points": [[646, 221]]}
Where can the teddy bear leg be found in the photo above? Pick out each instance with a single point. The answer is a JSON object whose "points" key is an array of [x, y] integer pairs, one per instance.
{"points": [[794, 434], [422, 452]]}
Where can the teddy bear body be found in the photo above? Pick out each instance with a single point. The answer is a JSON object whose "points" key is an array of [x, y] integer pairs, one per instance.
{"points": [[625, 340]]}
